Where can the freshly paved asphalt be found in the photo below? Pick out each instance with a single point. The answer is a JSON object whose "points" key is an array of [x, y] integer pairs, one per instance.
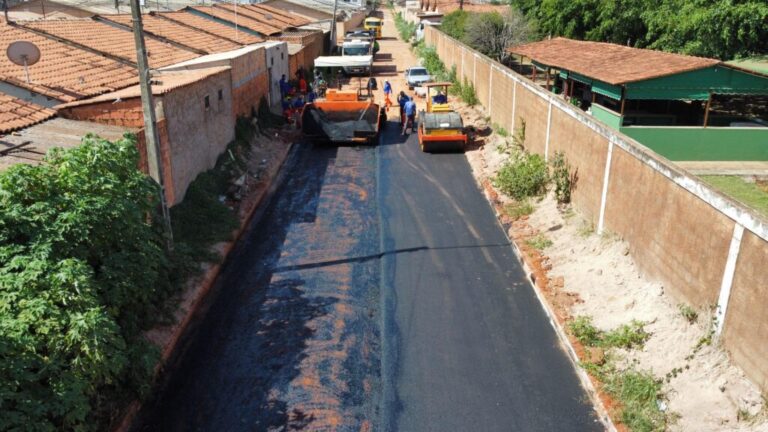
{"points": [[466, 344], [377, 292]]}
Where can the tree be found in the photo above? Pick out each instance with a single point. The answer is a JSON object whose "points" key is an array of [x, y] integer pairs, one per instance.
{"points": [[83, 272], [454, 23], [492, 33]]}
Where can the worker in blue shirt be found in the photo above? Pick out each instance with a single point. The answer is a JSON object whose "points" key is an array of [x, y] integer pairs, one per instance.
{"points": [[402, 98], [285, 87], [387, 93], [410, 114]]}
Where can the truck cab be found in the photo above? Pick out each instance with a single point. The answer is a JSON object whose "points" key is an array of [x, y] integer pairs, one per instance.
{"points": [[375, 24], [356, 47]]}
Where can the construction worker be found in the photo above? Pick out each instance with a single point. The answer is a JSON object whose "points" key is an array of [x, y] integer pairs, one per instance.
{"points": [[285, 87], [387, 92], [402, 98], [410, 115]]}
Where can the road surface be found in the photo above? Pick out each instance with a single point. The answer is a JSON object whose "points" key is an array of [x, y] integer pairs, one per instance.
{"points": [[377, 292]]}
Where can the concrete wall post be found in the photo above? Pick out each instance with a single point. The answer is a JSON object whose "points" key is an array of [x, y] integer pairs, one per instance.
{"points": [[725, 287], [606, 179], [490, 92], [549, 127], [514, 105]]}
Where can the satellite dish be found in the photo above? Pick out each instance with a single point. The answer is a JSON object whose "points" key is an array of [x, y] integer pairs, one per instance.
{"points": [[23, 53]]}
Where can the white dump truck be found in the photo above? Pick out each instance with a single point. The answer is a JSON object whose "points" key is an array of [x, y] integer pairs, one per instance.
{"points": [[357, 48]]}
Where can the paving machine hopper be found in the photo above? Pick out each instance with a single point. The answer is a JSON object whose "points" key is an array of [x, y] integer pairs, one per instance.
{"points": [[342, 118], [440, 128]]}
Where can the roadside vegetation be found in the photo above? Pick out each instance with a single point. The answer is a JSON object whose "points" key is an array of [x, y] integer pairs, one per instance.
{"points": [[84, 273], [639, 394], [753, 194], [406, 29]]}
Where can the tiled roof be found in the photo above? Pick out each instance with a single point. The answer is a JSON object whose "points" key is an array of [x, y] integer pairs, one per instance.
{"points": [[63, 72], [17, 114], [243, 21], [111, 40], [178, 33], [268, 15], [614, 64], [208, 25], [163, 82], [283, 15]]}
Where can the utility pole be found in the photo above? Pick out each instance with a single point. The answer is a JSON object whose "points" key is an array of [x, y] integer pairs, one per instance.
{"points": [[5, 10], [150, 125], [333, 25]]}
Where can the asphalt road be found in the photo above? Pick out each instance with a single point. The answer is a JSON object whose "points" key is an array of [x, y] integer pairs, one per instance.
{"points": [[376, 292], [466, 344]]}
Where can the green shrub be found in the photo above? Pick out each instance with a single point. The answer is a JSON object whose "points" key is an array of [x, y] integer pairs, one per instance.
{"points": [[83, 272], [406, 29], [454, 24], [523, 177], [561, 176], [468, 94], [632, 335]]}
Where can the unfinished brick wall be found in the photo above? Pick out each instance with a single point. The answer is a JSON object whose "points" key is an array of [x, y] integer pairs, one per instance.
{"points": [[199, 134], [126, 113], [680, 231]]}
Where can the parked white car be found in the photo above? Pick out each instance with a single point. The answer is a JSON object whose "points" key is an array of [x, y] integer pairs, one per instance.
{"points": [[416, 76]]}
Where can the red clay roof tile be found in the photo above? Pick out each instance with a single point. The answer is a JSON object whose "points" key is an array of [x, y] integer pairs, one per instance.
{"points": [[111, 40], [210, 26], [610, 63], [244, 21], [156, 26], [63, 72], [282, 15], [17, 114]]}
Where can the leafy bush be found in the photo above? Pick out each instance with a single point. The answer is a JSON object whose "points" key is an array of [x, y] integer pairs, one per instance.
{"points": [[406, 29], [83, 272], [468, 94], [454, 23], [632, 335], [561, 175], [523, 177], [432, 61]]}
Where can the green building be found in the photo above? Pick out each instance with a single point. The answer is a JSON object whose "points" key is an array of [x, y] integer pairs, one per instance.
{"points": [[684, 108]]}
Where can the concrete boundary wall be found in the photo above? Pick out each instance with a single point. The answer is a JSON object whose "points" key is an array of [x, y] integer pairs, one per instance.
{"points": [[708, 250]]}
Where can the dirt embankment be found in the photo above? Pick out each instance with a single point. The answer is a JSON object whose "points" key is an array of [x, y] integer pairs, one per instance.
{"points": [[583, 274]]}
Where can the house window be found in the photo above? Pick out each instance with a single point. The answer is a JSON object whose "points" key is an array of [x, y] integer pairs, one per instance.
{"points": [[282, 56], [272, 59], [221, 95], [207, 101]]}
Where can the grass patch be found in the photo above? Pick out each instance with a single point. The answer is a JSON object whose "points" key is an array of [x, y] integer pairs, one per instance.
{"points": [[632, 335], [688, 313], [539, 242], [500, 131], [518, 209], [752, 194], [639, 393], [586, 230]]}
